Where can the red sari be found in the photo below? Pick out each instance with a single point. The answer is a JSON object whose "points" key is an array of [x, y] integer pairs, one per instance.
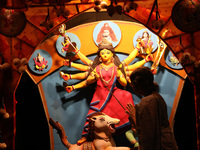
{"points": [[104, 101]]}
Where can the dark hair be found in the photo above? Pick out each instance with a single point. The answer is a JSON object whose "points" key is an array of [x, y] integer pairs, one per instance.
{"points": [[142, 81]]}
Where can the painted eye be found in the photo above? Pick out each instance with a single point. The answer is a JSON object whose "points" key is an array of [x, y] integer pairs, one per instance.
{"points": [[102, 53], [102, 119], [108, 52]]}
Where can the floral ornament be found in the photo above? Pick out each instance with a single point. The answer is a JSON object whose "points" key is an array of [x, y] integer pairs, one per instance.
{"points": [[47, 23], [186, 59], [157, 23], [19, 64], [130, 6], [3, 65]]}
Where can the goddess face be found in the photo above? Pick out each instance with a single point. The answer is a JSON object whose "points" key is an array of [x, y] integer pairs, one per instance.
{"points": [[106, 55], [106, 33], [145, 35]]}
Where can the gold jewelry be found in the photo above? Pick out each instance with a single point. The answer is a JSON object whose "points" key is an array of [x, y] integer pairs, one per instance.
{"points": [[103, 67], [108, 62], [106, 67]]}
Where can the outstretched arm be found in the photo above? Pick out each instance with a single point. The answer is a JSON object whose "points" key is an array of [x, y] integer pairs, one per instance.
{"points": [[91, 79], [79, 76], [120, 77], [133, 54], [78, 66], [131, 57], [129, 69], [139, 63], [83, 58]]}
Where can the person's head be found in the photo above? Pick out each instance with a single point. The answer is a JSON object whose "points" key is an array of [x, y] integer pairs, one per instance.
{"points": [[142, 81]]}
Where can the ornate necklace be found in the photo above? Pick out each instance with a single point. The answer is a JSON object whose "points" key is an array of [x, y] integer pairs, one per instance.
{"points": [[106, 69]]}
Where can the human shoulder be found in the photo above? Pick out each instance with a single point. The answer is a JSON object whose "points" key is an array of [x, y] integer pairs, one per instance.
{"points": [[148, 100]]}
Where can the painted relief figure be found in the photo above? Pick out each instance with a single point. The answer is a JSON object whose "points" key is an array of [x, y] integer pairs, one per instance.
{"points": [[105, 70], [68, 46], [174, 61], [107, 33], [40, 62], [146, 43]]}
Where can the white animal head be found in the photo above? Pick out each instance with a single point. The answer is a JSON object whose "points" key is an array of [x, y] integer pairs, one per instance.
{"points": [[103, 122]]}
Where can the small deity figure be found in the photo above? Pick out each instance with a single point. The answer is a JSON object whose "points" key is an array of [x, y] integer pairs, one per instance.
{"points": [[174, 61], [106, 33], [68, 45], [146, 43], [40, 62]]}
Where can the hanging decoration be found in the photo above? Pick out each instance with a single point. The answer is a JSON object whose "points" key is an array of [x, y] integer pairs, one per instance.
{"points": [[62, 11], [157, 23], [3, 65], [187, 59], [19, 64], [111, 9], [186, 15], [130, 6], [9, 22], [47, 23], [19, 5]]}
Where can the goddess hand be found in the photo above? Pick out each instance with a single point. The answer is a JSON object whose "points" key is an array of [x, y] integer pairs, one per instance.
{"points": [[66, 62], [140, 44], [96, 75], [149, 58], [69, 88]]}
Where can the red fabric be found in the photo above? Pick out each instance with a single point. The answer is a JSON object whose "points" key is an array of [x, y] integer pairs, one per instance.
{"points": [[111, 106]]}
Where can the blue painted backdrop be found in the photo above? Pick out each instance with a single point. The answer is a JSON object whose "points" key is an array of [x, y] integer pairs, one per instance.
{"points": [[70, 109]]}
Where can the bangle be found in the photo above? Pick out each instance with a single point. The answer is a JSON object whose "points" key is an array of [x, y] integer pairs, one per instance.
{"points": [[137, 48], [145, 59], [70, 77], [73, 87]]}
